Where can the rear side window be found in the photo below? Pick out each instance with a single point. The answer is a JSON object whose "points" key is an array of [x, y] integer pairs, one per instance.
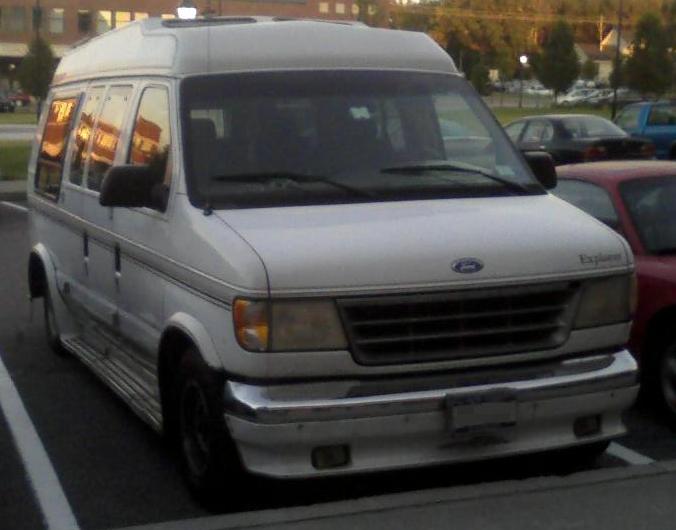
{"points": [[589, 197], [151, 141], [53, 147], [662, 115], [107, 134], [628, 118], [514, 130], [83, 133], [538, 131], [591, 127]]}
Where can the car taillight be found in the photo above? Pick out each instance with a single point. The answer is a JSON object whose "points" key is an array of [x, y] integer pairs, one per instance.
{"points": [[648, 150], [595, 152]]}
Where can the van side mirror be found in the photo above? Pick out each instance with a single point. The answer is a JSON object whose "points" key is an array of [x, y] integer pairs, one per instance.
{"points": [[132, 186], [542, 165]]}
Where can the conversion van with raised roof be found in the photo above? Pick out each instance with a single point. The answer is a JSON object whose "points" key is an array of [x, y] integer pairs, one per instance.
{"points": [[304, 248]]}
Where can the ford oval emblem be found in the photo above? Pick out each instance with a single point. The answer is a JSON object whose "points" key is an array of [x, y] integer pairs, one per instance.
{"points": [[467, 265]]}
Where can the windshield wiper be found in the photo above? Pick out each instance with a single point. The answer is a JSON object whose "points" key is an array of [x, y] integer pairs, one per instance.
{"points": [[460, 168], [290, 175]]}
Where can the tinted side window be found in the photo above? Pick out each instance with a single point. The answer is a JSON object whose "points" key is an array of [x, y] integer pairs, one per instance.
{"points": [[628, 118], [514, 130], [662, 115], [151, 140], [589, 197], [83, 133], [50, 159], [536, 131], [107, 134]]}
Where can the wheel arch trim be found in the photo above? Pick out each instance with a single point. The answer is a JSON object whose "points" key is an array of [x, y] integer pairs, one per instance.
{"points": [[196, 333], [40, 263]]}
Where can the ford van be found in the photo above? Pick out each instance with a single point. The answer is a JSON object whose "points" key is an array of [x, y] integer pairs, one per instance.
{"points": [[304, 248]]}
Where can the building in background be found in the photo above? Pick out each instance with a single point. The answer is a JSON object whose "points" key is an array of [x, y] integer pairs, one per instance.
{"points": [[590, 51], [65, 22]]}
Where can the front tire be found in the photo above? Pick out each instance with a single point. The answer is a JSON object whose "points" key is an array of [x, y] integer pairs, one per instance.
{"points": [[209, 459], [667, 379], [51, 325]]}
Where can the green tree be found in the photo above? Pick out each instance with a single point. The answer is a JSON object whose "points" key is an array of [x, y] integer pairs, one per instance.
{"points": [[589, 70], [36, 69], [559, 65], [670, 23], [649, 68], [480, 79], [497, 43]]}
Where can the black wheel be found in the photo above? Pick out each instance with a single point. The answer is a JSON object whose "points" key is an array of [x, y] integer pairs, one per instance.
{"points": [[51, 326], [667, 378], [209, 458]]}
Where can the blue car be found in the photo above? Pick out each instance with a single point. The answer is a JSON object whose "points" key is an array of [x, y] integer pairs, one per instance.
{"points": [[654, 120]]}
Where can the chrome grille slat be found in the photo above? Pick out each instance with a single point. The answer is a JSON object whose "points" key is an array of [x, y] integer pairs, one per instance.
{"points": [[458, 325], [460, 335], [453, 317]]}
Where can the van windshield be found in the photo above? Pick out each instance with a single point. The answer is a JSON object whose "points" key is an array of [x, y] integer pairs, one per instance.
{"points": [[328, 137]]}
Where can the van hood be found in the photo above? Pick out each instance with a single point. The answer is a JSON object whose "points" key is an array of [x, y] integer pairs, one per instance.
{"points": [[416, 245]]}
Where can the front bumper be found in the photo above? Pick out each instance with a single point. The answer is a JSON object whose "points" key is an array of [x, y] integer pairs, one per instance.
{"points": [[405, 422]]}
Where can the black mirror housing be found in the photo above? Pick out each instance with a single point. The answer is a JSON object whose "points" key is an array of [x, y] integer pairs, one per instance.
{"points": [[542, 166], [129, 186]]}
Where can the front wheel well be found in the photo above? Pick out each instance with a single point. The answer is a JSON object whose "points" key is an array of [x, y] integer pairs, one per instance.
{"points": [[173, 345], [37, 277]]}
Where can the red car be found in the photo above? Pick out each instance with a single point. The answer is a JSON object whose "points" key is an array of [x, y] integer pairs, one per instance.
{"points": [[638, 199]]}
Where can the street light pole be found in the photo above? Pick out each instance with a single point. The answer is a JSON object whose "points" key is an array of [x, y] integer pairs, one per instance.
{"points": [[618, 62], [523, 61], [37, 17]]}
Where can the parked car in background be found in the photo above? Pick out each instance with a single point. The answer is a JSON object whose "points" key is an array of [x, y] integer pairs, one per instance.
{"points": [[584, 83], [637, 199], [577, 96], [20, 99], [655, 120], [535, 88], [574, 138], [604, 96], [5, 104]]}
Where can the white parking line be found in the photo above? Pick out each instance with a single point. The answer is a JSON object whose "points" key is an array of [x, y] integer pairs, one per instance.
{"points": [[628, 455], [55, 509], [15, 206]]}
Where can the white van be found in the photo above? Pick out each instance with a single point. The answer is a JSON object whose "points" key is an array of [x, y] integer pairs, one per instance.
{"points": [[307, 248]]}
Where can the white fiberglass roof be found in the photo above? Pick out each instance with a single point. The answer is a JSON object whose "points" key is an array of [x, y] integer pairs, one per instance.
{"points": [[221, 45]]}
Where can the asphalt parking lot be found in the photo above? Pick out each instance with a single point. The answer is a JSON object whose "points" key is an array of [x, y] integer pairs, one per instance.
{"points": [[114, 472]]}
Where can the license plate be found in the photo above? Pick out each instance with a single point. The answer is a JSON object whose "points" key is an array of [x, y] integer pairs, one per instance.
{"points": [[489, 411]]}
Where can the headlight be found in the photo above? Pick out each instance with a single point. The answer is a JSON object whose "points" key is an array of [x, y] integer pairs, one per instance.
{"points": [[288, 325], [606, 301]]}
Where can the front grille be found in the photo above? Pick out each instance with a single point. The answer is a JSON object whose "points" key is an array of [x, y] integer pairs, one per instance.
{"points": [[458, 325]]}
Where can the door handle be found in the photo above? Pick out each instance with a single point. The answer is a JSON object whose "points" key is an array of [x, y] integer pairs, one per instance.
{"points": [[85, 251], [118, 265]]}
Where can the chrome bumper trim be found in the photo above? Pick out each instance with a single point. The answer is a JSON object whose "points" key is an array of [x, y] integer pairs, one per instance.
{"points": [[335, 400]]}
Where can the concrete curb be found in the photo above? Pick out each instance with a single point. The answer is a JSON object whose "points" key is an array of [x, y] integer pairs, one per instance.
{"points": [[450, 495]]}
